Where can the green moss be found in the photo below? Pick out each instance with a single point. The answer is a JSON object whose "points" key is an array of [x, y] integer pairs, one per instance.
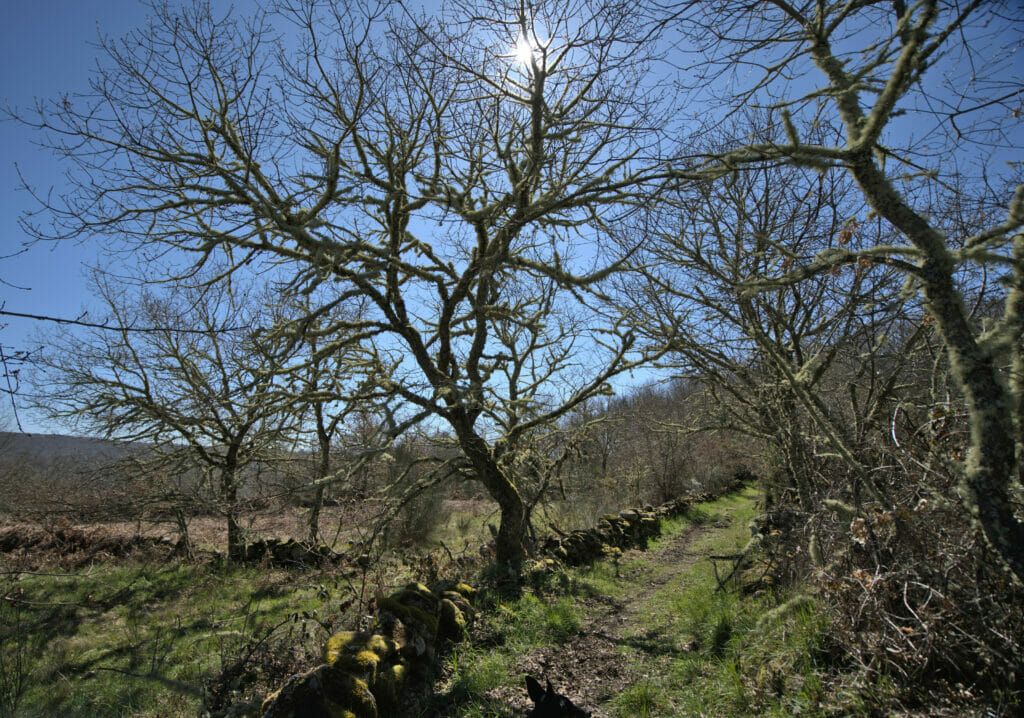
{"points": [[467, 591], [409, 613], [418, 596], [342, 643], [377, 644], [388, 686], [362, 664], [452, 623], [348, 693]]}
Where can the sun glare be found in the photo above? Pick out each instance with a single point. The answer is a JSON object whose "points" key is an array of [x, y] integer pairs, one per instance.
{"points": [[524, 51]]}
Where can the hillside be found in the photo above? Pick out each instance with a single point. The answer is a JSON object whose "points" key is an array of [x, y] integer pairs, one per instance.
{"points": [[43, 450]]}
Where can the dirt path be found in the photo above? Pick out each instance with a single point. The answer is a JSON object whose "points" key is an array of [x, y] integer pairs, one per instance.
{"points": [[589, 668]]}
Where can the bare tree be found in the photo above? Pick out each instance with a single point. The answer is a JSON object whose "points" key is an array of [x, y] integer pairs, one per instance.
{"points": [[329, 378], [925, 99], [460, 186], [769, 360], [194, 387]]}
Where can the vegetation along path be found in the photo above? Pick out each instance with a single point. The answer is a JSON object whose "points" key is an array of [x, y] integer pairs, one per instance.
{"points": [[643, 634]]}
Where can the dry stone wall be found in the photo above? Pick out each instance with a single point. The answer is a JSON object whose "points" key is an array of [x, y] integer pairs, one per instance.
{"points": [[632, 528], [363, 673]]}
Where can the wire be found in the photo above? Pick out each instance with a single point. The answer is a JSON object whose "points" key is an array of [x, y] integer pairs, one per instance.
{"points": [[112, 328]]}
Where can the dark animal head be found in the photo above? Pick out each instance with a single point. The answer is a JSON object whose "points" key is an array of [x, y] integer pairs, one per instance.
{"points": [[549, 704]]}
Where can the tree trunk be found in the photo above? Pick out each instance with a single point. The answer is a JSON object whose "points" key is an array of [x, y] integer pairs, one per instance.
{"points": [[323, 466], [229, 500], [313, 534], [184, 538], [1014, 316], [991, 462], [510, 541]]}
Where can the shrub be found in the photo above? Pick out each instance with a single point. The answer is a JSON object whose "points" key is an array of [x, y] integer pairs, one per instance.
{"points": [[419, 519]]}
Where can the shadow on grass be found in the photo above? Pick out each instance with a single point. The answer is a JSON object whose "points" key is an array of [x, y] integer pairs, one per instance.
{"points": [[453, 705]]}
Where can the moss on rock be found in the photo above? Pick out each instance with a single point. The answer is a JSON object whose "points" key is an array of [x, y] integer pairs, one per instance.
{"points": [[388, 686], [409, 613], [451, 623]]}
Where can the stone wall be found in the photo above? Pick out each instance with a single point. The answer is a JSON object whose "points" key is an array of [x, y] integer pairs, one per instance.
{"points": [[363, 673]]}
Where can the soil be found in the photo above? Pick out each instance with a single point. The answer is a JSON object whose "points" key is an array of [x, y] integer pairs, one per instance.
{"points": [[589, 668]]}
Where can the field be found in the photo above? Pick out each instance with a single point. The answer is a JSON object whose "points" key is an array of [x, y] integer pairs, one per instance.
{"points": [[641, 634], [103, 619]]}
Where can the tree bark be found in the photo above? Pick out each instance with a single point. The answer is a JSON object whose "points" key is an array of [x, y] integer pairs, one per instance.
{"points": [[510, 541], [184, 539], [323, 466], [229, 500], [991, 461]]}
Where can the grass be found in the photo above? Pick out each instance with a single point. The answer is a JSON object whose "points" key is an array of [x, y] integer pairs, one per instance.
{"points": [[724, 662], [641, 700], [689, 649], [115, 639], [143, 640]]}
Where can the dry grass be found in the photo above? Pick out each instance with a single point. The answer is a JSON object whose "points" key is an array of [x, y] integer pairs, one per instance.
{"points": [[59, 541]]}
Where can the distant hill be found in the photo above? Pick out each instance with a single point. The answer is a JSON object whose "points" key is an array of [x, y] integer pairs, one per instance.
{"points": [[47, 449]]}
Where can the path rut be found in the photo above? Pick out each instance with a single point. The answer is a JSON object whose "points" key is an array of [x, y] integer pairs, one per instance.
{"points": [[589, 668]]}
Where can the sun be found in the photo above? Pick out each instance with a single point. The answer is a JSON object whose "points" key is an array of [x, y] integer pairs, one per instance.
{"points": [[524, 51]]}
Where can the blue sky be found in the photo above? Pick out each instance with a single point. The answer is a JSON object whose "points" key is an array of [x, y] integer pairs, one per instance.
{"points": [[44, 50], [47, 47]]}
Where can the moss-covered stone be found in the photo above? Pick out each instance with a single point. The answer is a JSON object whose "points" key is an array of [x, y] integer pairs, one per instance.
{"points": [[416, 595], [388, 686], [362, 665], [323, 692], [342, 643], [463, 605], [410, 614], [379, 645], [452, 623], [349, 693], [466, 590], [364, 672]]}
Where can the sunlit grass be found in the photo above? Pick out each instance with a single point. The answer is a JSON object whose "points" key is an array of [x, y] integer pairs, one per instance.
{"points": [[698, 650], [109, 638]]}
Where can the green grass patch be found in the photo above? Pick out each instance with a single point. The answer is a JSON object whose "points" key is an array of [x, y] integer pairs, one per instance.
{"points": [[728, 664], [109, 640], [640, 701], [473, 674], [693, 650]]}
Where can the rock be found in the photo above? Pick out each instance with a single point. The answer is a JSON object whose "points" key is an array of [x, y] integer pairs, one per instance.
{"points": [[324, 692], [364, 672], [451, 623]]}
